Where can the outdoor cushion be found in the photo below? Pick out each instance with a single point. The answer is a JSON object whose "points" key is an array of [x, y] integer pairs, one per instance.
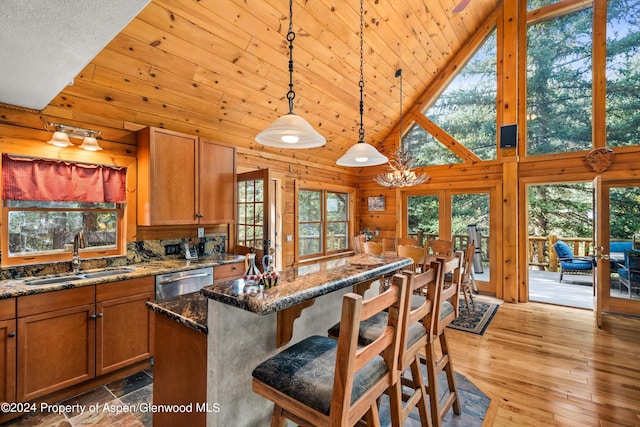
{"points": [[576, 265], [563, 250], [620, 246]]}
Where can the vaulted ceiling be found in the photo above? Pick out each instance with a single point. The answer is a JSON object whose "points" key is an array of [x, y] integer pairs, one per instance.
{"points": [[219, 68]]}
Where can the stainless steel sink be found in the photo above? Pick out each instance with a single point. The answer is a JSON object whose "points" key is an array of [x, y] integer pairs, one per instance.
{"points": [[107, 273], [53, 280], [80, 276]]}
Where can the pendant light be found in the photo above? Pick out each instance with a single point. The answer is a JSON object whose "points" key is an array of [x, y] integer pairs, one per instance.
{"points": [[291, 130], [400, 174], [361, 153]]}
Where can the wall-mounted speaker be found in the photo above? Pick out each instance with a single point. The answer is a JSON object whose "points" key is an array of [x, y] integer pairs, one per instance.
{"points": [[508, 136]]}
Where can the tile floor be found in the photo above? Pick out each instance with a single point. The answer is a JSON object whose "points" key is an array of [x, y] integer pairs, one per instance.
{"points": [[106, 406], [103, 406]]}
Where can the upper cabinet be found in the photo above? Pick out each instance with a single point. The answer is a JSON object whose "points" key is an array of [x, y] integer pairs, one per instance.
{"points": [[183, 179]]}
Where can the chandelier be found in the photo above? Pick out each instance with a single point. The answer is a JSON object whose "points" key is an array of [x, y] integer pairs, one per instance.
{"points": [[400, 173]]}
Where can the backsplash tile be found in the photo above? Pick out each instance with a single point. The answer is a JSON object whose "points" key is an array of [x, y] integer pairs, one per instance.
{"points": [[137, 252]]}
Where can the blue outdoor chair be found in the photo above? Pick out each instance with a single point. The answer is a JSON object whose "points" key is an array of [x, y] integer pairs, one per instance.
{"points": [[570, 264]]}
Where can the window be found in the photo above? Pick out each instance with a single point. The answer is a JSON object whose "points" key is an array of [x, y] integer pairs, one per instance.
{"points": [[466, 111], [251, 213], [559, 84], [323, 222], [47, 202], [44, 231], [623, 73]]}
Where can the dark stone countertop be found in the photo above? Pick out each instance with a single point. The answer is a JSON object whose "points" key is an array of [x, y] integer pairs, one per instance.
{"points": [[17, 287], [295, 286], [304, 283], [190, 310]]}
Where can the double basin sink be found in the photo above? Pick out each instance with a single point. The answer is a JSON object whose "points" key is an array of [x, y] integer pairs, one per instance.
{"points": [[78, 276]]}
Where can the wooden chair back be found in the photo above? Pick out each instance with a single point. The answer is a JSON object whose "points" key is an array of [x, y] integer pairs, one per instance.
{"points": [[407, 241], [351, 357], [448, 293], [420, 310], [416, 253], [376, 361], [441, 247], [373, 248]]}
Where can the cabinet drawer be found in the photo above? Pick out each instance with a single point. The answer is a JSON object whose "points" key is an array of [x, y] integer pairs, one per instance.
{"points": [[125, 288], [228, 271], [56, 300], [7, 309]]}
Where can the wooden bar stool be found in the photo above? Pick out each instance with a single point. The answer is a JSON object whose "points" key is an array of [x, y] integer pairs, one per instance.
{"points": [[416, 329], [446, 310], [324, 382]]}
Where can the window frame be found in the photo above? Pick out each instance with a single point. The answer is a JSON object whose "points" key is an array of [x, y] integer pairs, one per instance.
{"points": [[324, 190], [62, 256]]}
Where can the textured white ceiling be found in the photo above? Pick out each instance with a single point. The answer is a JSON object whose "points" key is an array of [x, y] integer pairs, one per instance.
{"points": [[44, 44]]}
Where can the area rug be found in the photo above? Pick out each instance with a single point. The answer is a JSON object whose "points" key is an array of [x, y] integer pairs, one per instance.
{"points": [[478, 320]]}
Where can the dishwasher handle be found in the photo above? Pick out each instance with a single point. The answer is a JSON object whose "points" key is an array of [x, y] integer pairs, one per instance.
{"points": [[178, 279]]}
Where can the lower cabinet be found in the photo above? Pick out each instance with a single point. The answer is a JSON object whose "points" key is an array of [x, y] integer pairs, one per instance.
{"points": [[124, 327], [8, 350], [70, 336]]}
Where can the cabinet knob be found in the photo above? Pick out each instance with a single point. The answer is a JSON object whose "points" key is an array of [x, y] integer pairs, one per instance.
{"points": [[12, 334], [93, 316], [100, 314]]}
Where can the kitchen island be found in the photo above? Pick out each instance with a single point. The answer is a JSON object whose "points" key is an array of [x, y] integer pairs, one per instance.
{"points": [[244, 326]]}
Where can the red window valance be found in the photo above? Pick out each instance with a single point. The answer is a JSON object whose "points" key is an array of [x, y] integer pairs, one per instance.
{"points": [[29, 178]]}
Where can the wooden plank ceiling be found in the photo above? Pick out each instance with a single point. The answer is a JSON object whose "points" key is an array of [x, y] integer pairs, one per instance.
{"points": [[219, 68]]}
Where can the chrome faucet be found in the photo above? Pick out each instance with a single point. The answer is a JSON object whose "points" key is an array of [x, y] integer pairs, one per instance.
{"points": [[78, 243]]}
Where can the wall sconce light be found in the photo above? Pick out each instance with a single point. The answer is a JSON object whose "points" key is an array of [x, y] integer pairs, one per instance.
{"points": [[62, 134]]}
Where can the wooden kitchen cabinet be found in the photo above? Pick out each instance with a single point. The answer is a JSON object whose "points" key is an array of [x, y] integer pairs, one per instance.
{"points": [[124, 326], [71, 336], [183, 179], [56, 341], [8, 350]]}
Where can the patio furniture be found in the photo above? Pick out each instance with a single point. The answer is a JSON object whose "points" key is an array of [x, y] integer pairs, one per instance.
{"points": [[630, 272], [571, 264]]}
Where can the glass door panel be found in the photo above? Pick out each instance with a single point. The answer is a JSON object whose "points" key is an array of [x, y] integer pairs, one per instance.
{"points": [[472, 209]]}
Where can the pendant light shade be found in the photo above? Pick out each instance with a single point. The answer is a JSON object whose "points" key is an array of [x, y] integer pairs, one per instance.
{"points": [[361, 153], [290, 130], [60, 139], [90, 143]]}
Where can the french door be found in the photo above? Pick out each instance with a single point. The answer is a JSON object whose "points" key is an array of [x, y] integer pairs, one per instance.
{"points": [[617, 219]]}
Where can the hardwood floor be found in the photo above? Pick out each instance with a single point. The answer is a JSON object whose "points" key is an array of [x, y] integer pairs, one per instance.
{"points": [[548, 365]]}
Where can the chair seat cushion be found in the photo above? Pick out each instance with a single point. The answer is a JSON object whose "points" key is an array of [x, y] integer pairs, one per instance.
{"points": [[305, 372], [623, 272], [373, 327], [576, 265]]}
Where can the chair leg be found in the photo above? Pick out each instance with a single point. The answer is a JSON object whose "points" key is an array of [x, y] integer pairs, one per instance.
{"points": [[277, 419], [434, 366], [454, 396], [419, 387]]}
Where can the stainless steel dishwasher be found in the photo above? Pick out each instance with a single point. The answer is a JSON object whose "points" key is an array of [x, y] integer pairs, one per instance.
{"points": [[183, 282]]}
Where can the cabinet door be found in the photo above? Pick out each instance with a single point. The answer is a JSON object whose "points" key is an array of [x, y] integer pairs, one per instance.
{"points": [[8, 361], [56, 349], [217, 183], [124, 332], [167, 177]]}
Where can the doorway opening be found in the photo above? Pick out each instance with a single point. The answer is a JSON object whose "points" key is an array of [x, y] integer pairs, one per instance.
{"points": [[561, 212]]}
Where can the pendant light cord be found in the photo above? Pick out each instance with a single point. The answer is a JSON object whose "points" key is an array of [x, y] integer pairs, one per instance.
{"points": [[290, 37], [399, 74], [361, 83]]}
